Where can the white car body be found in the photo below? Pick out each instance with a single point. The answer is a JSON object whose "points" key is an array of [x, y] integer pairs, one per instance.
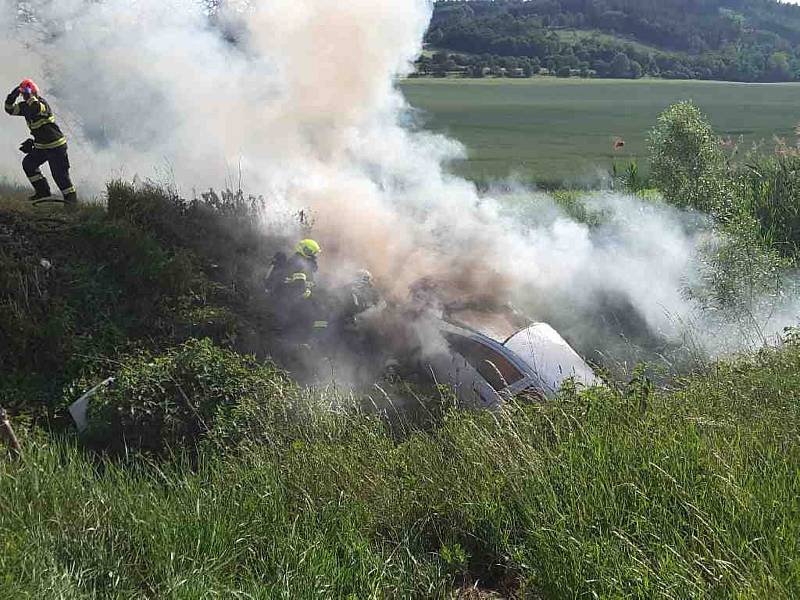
{"points": [[490, 360]]}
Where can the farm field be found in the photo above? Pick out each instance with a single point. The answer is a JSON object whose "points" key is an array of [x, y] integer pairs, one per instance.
{"points": [[554, 130]]}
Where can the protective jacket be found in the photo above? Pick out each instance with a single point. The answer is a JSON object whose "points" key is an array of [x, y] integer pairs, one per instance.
{"points": [[292, 279], [290, 285], [41, 121], [299, 280]]}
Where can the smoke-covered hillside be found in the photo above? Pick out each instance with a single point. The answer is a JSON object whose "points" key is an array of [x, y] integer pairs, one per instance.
{"points": [[297, 102]]}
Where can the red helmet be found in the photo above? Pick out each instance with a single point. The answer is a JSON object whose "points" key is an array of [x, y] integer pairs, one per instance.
{"points": [[29, 87]]}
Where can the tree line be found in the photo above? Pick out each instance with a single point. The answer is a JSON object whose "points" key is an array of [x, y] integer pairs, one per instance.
{"points": [[736, 40]]}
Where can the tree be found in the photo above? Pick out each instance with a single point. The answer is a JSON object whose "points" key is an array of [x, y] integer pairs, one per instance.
{"points": [[636, 70], [440, 57], [424, 65], [686, 161], [741, 40], [652, 67], [778, 68], [621, 65]]}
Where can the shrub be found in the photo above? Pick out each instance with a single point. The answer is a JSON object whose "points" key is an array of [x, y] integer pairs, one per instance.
{"points": [[742, 283], [223, 231], [687, 163], [148, 206], [173, 399]]}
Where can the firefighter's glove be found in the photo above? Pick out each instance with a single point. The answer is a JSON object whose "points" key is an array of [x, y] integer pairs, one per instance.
{"points": [[26, 147], [12, 97]]}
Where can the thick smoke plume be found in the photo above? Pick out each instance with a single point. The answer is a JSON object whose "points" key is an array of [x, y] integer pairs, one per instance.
{"points": [[298, 98]]}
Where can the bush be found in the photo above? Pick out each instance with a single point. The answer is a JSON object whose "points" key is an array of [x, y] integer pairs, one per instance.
{"points": [[743, 271], [742, 284], [687, 163], [147, 206], [173, 399], [137, 275]]}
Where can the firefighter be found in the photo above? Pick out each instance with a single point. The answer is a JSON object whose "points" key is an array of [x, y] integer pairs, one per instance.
{"points": [[363, 292], [48, 144], [290, 285], [352, 333], [355, 299]]}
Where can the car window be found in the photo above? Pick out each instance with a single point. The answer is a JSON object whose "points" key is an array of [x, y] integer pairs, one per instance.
{"points": [[492, 366]]}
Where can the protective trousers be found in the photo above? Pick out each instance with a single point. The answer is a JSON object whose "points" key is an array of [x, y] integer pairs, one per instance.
{"points": [[59, 167]]}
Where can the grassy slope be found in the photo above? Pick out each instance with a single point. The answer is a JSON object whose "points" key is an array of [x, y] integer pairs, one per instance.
{"points": [[108, 285], [690, 493], [694, 493], [571, 36], [548, 129]]}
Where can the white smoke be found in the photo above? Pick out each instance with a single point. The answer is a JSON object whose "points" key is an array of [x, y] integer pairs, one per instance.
{"points": [[299, 99]]}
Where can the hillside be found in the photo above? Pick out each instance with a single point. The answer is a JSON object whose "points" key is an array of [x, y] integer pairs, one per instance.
{"points": [[736, 40], [207, 470], [222, 477]]}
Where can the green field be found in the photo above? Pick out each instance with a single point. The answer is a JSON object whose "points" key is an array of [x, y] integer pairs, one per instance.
{"points": [[548, 129]]}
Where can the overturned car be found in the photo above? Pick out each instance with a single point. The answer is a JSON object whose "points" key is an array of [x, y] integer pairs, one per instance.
{"points": [[491, 357]]}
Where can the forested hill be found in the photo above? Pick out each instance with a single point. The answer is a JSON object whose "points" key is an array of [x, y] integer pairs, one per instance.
{"points": [[739, 40]]}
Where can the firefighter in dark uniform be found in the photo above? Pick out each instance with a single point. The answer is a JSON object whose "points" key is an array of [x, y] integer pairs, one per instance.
{"points": [[352, 334], [290, 286], [48, 145]]}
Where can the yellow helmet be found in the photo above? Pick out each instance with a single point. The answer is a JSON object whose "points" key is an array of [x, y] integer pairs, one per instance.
{"points": [[308, 248]]}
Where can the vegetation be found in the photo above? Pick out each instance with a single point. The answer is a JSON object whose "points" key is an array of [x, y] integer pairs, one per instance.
{"points": [[175, 398], [687, 160], [761, 193], [79, 290], [615, 493], [734, 40], [207, 472]]}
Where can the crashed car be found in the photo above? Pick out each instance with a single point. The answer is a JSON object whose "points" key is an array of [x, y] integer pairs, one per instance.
{"points": [[490, 358]]}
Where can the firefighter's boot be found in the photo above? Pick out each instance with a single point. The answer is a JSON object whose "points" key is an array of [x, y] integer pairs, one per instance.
{"points": [[42, 189]]}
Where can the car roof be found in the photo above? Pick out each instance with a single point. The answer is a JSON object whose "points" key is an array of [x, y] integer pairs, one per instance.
{"points": [[537, 350]]}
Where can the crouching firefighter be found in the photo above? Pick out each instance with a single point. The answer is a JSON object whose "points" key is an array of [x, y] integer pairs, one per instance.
{"points": [[48, 144], [290, 286]]}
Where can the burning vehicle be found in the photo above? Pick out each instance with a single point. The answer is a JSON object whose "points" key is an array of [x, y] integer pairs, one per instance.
{"points": [[491, 357], [488, 352]]}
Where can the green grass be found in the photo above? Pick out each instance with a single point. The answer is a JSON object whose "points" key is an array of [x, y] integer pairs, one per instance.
{"points": [[573, 36], [548, 129], [688, 494]]}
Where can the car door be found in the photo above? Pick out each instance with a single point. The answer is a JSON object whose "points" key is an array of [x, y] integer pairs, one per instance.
{"points": [[481, 370]]}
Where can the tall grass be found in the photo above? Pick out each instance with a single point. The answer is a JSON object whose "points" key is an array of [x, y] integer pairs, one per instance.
{"points": [[632, 493], [770, 191]]}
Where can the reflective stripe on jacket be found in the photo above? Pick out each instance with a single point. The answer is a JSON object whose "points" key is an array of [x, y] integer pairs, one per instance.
{"points": [[40, 119]]}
